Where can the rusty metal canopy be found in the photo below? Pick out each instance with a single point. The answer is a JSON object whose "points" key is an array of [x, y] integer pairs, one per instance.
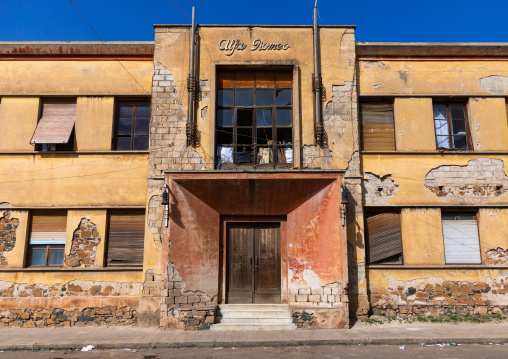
{"points": [[56, 123]]}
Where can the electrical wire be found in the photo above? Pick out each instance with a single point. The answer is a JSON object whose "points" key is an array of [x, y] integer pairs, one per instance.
{"points": [[110, 53], [180, 9]]}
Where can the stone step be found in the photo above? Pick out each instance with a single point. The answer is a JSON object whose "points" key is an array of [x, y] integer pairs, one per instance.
{"points": [[255, 320], [263, 326], [249, 307], [254, 314]]}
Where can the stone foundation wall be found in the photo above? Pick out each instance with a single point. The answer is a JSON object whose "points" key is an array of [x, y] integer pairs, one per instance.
{"points": [[194, 319], [43, 318], [321, 318]]}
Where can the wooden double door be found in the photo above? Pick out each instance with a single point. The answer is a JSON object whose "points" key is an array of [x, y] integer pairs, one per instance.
{"points": [[253, 263]]}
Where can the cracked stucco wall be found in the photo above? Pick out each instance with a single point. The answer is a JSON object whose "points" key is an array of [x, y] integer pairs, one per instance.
{"points": [[379, 190]]}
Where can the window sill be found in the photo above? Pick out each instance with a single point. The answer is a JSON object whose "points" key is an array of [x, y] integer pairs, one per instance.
{"points": [[79, 269], [433, 267]]}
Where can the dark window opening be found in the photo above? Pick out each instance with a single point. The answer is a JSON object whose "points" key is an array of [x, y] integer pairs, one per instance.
{"points": [[132, 126], [451, 124], [254, 119]]}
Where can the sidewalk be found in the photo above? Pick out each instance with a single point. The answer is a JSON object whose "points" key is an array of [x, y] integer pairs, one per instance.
{"points": [[144, 338]]}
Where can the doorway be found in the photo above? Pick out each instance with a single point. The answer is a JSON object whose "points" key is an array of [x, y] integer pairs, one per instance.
{"points": [[253, 263]]}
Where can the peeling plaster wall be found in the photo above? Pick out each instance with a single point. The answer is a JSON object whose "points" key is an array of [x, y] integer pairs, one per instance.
{"points": [[85, 240], [476, 183], [379, 190], [410, 174], [8, 227]]}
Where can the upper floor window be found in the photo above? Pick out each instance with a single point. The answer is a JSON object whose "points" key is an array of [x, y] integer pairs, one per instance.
{"points": [[55, 129], [47, 238], [461, 240], [132, 126], [254, 119], [377, 123], [452, 128]]}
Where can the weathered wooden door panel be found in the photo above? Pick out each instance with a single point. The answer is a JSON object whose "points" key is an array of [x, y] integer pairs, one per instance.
{"points": [[267, 269], [253, 263], [240, 266]]}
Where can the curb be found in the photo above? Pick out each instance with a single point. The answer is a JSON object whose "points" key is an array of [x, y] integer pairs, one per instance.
{"points": [[248, 344]]}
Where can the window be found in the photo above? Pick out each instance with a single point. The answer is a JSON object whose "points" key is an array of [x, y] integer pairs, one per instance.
{"points": [[383, 238], [452, 128], [378, 130], [55, 129], [126, 237], [132, 126], [460, 234], [47, 238], [254, 119]]}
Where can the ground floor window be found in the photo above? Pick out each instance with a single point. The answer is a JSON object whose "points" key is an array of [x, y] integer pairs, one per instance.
{"points": [[461, 240], [383, 237], [126, 236], [47, 238]]}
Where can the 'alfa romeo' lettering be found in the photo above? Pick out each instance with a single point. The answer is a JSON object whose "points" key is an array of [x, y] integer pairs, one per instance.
{"points": [[229, 46]]}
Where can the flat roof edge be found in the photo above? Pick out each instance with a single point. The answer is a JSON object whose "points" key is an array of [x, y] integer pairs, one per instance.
{"points": [[76, 48], [431, 49], [252, 25]]}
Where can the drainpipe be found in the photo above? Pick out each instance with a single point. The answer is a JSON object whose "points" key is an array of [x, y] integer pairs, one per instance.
{"points": [[317, 81], [191, 84]]}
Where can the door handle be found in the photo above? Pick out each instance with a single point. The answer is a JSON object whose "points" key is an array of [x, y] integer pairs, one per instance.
{"points": [[257, 263]]}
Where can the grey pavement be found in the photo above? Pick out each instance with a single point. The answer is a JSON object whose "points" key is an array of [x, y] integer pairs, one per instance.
{"points": [[147, 338]]}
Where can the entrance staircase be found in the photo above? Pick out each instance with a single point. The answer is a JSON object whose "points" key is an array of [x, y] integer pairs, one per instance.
{"points": [[254, 317]]}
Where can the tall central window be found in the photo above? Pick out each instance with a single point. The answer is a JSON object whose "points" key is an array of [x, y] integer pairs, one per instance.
{"points": [[254, 119]]}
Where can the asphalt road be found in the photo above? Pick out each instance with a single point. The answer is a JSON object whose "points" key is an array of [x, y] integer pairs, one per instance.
{"points": [[475, 351]]}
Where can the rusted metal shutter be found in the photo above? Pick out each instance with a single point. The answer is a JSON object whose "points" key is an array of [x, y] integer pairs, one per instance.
{"points": [[126, 239], [48, 227], [461, 242], [383, 237], [378, 130], [56, 123]]}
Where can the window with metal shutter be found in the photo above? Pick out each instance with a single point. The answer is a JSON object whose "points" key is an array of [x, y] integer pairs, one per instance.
{"points": [[126, 235], [378, 130], [383, 238], [461, 240]]}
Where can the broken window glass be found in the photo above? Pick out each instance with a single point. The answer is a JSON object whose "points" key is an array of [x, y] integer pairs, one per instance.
{"points": [[451, 126]]}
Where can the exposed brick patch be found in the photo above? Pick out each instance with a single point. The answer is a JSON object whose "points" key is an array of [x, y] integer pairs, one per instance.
{"points": [[339, 117], [379, 190], [152, 286], [330, 295], [304, 320], [195, 319], [8, 227], [497, 256], [75, 288], [481, 180], [43, 318], [85, 240]]}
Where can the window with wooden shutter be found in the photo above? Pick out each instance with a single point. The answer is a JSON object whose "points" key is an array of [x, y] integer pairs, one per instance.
{"points": [[126, 235], [378, 130], [383, 238], [461, 240], [47, 238], [55, 128]]}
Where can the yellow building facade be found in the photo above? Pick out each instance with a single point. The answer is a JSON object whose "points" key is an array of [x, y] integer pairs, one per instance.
{"points": [[127, 182]]}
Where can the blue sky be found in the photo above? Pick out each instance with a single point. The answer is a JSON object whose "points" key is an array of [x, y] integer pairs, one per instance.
{"points": [[376, 20]]}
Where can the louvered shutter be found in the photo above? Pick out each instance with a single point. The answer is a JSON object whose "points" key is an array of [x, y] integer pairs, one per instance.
{"points": [[378, 130], [56, 123], [126, 239], [383, 236], [461, 242], [48, 228]]}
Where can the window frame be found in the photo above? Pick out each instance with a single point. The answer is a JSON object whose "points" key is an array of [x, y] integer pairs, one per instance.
{"points": [[275, 147], [134, 102], [29, 247], [469, 142], [48, 253], [457, 214], [107, 259], [382, 101], [370, 212], [57, 147]]}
